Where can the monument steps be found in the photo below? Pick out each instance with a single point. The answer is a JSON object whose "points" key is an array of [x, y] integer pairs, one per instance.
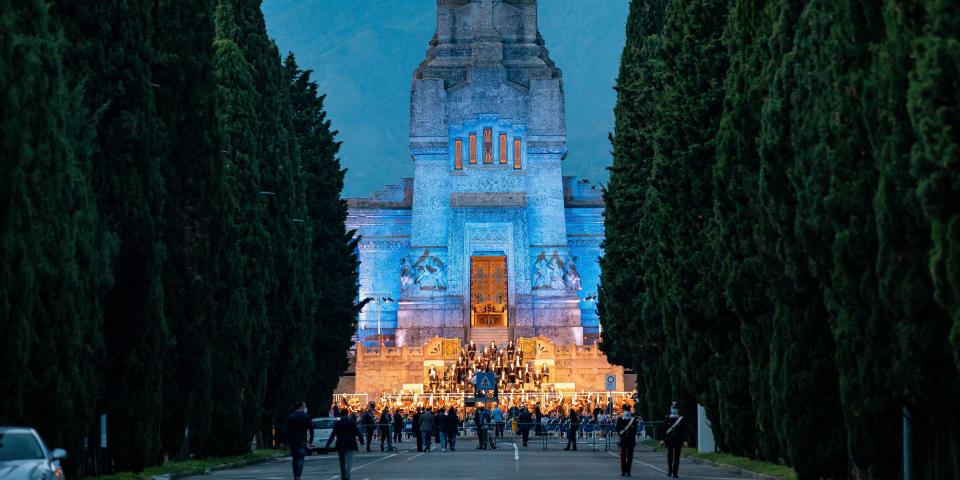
{"points": [[483, 336]]}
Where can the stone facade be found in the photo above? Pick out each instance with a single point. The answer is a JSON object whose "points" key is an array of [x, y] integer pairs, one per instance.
{"points": [[487, 138], [391, 370]]}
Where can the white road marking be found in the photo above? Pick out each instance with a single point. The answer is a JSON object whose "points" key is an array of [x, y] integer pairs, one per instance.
{"points": [[354, 469], [415, 456], [516, 452], [650, 466]]}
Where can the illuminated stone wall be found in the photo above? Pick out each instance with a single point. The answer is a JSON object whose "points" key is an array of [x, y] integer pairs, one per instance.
{"points": [[487, 68], [572, 367]]}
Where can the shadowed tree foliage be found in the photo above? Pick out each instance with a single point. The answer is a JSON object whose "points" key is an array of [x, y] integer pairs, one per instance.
{"points": [[817, 296], [54, 255], [172, 230], [626, 305]]}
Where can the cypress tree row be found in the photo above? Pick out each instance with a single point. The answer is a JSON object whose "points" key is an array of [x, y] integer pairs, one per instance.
{"points": [[172, 230], [183, 71], [54, 256], [626, 296], [818, 298], [741, 254], [333, 269], [130, 195]]}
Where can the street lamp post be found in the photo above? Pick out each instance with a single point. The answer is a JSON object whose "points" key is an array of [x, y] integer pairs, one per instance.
{"points": [[592, 298], [380, 301]]}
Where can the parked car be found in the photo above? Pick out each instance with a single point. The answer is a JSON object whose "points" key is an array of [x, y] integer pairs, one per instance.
{"points": [[24, 456], [322, 428]]}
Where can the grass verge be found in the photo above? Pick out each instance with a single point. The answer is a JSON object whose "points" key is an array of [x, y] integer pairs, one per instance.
{"points": [[756, 466], [197, 466]]}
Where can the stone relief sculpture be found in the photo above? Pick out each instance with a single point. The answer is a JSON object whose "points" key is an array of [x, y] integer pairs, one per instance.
{"points": [[551, 273], [430, 272], [573, 276], [407, 277], [540, 272], [557, 272]]}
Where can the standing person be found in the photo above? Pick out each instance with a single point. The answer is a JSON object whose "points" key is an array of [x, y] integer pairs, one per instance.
{"points": [[539, 416], [572, 431], [298, 426], [674, 437], [397, 426], [428, 424], [368, 424], [441, 421], [498, 423], [525, 419], [347, 434], [482, 421], [415, 427], [627, 430], [453, 428], [385, 436]]}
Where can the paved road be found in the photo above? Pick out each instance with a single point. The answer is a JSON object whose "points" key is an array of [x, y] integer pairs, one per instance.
{"points": [[468, 463]]}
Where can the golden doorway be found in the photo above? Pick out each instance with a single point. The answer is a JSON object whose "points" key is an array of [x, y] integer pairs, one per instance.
{"points": [[488, 291]]}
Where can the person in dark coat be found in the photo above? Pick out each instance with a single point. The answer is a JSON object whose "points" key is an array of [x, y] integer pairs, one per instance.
{"points": [[298, 427], [347, 435], [397, 426], [673, 435], [416, 429], [452, 424], [627, 430], [539, 417], [481, 419], [572, 430], [386, 420], [441, 423], [525, 423], [368, 424], [428, 425]]}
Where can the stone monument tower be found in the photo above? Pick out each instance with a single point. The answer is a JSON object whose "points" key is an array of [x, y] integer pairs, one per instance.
{"points": [[488, 241]]}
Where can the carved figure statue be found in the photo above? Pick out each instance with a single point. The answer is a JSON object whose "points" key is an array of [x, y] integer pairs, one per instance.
{"points": [[556, 272], [573, 276], [430, 272], [540, 272], [406, 275]]}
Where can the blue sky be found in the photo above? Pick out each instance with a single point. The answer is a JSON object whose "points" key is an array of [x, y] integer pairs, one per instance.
{"points": [[363, 53]]}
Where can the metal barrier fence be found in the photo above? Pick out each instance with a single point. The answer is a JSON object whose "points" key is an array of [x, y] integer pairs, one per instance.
{"points": [[547, 435]]}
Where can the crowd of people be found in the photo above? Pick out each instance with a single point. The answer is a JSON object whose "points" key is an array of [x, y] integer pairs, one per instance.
{"points": [[514, 372], [434, 428]]}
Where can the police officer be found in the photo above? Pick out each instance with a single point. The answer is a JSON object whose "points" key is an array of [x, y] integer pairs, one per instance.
{"points": [[674, 438], [627, 430]]}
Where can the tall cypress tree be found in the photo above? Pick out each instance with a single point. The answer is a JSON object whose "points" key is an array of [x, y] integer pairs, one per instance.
{"points": [[935, 116], [803, 374], [702, 332], [740, 239], [923, 379], [54, 258], [109, 51], [627, 305], [238, 230], [333, 264], [183, 72]]}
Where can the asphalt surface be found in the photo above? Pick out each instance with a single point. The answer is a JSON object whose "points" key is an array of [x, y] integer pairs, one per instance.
{"points": [[469, 463]]}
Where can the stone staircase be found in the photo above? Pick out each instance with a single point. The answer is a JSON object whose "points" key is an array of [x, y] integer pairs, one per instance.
{"points": [[481, 336]]}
